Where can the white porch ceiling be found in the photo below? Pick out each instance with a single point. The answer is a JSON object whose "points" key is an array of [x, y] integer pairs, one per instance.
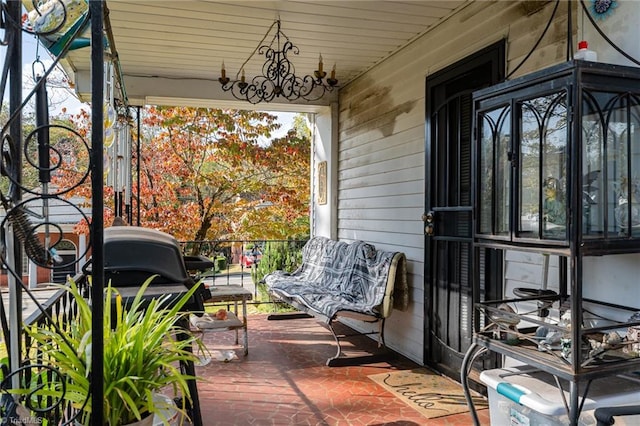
{"points": [[172, 51]]}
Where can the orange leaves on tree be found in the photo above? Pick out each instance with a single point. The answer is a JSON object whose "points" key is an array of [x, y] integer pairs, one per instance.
{"points": [[217, 177]]}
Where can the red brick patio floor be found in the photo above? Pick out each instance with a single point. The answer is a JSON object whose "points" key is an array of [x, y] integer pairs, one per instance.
{"points": [[284, 381]]}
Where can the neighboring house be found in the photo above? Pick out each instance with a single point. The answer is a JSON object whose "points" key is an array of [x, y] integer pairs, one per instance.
{"points": [[71, 247]]}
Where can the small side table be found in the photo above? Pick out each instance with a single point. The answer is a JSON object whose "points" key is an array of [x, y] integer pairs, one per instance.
{"points": [[235, 294]]}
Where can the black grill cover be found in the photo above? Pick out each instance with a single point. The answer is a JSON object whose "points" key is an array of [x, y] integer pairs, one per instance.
{"points": [[132, 254]]}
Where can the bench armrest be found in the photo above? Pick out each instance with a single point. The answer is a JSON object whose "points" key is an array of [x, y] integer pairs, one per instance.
{"points": [[396, 286]]}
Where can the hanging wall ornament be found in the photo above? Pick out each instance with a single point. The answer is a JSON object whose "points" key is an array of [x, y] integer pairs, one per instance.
{"points": [[601, 9]]}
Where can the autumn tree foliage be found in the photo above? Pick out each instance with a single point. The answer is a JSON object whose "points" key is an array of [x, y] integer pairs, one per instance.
{"points": [[216, 174], [208, 174]]}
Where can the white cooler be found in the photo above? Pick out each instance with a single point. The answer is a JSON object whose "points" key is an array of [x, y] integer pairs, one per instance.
{"points": [[533, 399]]}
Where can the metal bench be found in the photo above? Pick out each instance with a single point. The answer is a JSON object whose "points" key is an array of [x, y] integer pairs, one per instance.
{"points": [[343, 280]]}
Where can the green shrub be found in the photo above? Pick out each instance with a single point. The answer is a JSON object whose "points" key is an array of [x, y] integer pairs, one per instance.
{"points": [[278, 255]]}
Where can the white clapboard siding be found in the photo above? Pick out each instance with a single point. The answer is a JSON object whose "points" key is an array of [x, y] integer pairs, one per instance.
{"points": [[526, 270], [393, 176], [601, 275], [381, 173], [389, 214], [386, 156]]}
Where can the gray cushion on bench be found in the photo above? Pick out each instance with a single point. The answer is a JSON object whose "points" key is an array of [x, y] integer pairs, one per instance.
{"points": [[336, 276]]}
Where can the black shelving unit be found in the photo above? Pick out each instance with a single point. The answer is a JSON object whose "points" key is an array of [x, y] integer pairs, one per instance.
{"points": [[557, 172]]}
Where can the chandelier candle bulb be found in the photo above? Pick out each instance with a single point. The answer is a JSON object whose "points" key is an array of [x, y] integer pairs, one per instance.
{"points": [[333, 72], [242, 77], [320, 63], [223, 75]]}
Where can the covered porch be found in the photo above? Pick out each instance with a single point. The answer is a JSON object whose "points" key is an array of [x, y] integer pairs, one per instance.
{"points": [[394, 137]]}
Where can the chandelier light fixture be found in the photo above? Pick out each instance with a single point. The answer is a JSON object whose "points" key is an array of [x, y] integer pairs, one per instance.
{"points": [[278, 79]]}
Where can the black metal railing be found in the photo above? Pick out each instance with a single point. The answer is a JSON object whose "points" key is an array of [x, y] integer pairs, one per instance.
{"points": [[244, 262], [38, 369]]}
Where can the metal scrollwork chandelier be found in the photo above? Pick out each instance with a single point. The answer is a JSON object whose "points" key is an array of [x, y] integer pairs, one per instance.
{"points": [[278, 79]]}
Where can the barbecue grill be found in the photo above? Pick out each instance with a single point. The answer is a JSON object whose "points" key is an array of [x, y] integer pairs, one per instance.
{"points": [[132, 254]]}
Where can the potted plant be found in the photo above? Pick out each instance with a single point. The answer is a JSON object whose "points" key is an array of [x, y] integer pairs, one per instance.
{"points": [[141, 356]]}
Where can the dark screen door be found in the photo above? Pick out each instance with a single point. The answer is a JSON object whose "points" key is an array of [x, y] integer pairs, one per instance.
{"points": [[448, 206]]}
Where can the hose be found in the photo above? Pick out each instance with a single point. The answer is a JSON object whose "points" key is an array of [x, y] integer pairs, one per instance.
{"points": [[467, 363]]}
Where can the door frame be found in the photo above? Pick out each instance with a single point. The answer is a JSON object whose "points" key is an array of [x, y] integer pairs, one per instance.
{"points": [[495, 56]]}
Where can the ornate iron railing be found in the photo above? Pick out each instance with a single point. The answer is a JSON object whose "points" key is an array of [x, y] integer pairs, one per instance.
{"points": [[28, 165], [58, 312]]}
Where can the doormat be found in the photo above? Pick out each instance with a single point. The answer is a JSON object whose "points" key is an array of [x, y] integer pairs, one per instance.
{"points": [[431, 394]]}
